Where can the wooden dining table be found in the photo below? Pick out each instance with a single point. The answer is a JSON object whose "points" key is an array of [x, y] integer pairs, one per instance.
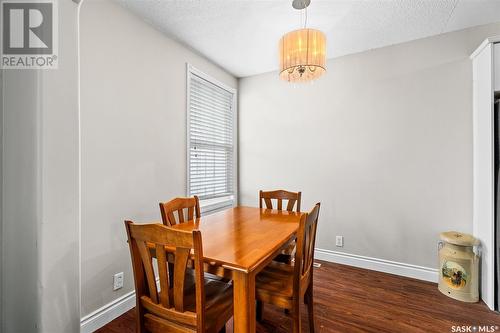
{"points": [[243, 240]]}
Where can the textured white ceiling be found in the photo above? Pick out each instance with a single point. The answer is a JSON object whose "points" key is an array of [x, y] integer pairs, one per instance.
{"points": [[242, 35]]}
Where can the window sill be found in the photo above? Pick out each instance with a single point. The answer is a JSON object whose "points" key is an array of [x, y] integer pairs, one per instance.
{"points": [[209, 206]]}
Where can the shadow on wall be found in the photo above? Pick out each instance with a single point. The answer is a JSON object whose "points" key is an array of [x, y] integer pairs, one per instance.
{"points": [[95, 283], [60, 305]]}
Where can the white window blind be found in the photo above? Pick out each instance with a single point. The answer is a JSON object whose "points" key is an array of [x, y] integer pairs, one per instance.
{"points": [[211, 138]]}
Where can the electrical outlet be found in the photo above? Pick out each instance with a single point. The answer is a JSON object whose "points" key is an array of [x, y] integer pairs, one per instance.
{"points": [[118, 281], [339, 241]]}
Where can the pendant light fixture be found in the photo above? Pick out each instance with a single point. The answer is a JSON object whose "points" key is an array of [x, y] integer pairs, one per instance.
{"points": [[302, 52]]}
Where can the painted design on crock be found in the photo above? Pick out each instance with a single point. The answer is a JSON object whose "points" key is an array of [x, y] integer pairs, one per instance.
{"points": [[454, 275]]}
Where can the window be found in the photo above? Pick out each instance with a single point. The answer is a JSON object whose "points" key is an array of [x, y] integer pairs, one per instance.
{"points": [[211, 137]]}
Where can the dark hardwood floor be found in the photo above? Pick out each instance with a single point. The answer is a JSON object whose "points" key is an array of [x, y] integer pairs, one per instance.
{"points": [[350, 300]]}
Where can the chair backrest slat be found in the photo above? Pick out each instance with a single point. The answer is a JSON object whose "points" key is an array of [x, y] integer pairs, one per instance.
{"points": [[190, 213], [161, 257], [181, 260], [293, 199], [148, 269], [269, 203], [178, 206], [185, 246], [180, 215]]}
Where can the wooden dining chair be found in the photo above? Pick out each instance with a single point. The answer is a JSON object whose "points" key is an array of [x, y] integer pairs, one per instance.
{"points": [[190, 302], [285, 285], [186, 209], [293, 200]]}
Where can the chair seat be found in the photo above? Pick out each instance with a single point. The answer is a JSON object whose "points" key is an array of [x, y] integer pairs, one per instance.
{"points": [[289, 249], [218, 301], [275, 279], [287, 252]]}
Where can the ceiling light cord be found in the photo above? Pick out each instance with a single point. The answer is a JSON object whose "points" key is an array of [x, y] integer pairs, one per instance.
{"points": [[303, 13], [305, 20]]}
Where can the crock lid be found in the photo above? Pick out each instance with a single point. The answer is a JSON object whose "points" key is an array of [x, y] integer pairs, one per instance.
{"points": [[458, 238]]}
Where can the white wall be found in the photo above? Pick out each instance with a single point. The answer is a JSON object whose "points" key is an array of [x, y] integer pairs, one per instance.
{"points": [[40, 239], [20, 218], [384, 141], [59, 234], [133, 118]]}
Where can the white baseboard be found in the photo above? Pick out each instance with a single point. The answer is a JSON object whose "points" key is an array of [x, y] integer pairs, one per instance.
{"points": [[107, 313], [116, 308], [380, 265]]}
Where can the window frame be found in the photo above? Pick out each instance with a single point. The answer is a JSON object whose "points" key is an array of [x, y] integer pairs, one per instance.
{"points": [[213, 204]]}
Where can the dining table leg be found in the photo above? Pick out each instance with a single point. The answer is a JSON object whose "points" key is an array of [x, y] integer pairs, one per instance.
{"points": [[244, 301]]}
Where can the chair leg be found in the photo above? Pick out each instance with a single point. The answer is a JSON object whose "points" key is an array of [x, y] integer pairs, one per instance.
{"points": [[260, 310], [296, 318], [310, 307]]}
